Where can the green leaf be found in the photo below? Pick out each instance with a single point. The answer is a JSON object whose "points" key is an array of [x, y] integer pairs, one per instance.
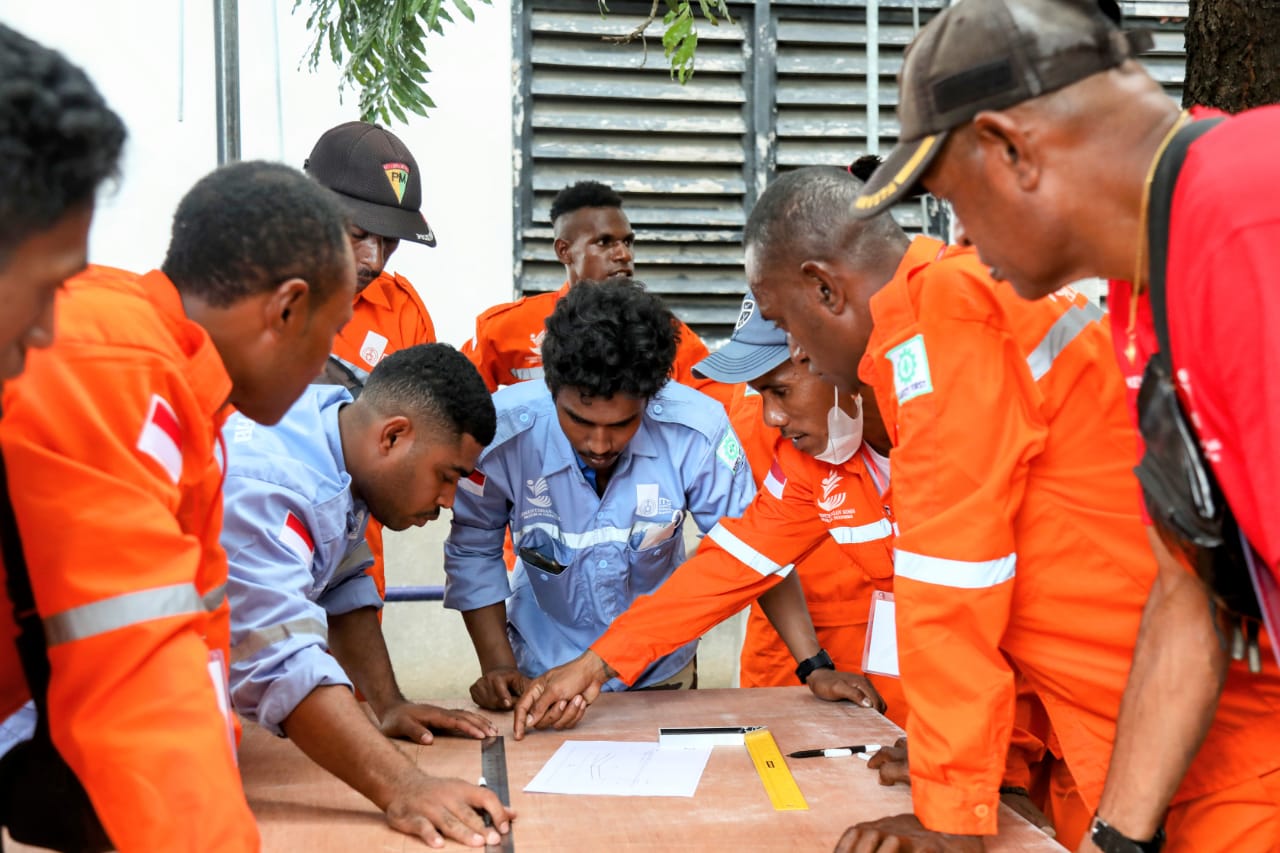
{"points": [[465, 10]]}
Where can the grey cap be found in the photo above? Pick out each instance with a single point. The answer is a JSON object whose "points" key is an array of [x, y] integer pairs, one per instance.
{"points": [[988, 55], [756, 347]]}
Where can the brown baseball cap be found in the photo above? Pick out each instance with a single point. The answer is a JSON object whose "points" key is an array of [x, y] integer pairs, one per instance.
{"points": [[376, 176], [989, 55]]}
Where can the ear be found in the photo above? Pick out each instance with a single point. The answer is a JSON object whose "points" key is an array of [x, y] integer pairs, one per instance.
{"points": [[561, 247], [1004, 142], [288, 306], [395, 434], [827, 288]]}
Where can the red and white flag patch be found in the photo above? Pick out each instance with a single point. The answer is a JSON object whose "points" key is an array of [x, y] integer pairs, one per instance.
{"points": [[295, 536], [161, 437], [775, 481], [473, 484]]}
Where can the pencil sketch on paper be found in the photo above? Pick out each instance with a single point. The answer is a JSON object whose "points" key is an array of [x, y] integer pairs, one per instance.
{"points": [[620, 769]]}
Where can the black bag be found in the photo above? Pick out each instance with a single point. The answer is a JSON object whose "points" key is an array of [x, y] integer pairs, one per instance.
{"points": [[41, 801], [1182, 494]]}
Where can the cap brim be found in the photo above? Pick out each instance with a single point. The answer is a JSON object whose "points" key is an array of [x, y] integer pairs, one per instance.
{"points": [[898, 175], [738, 362], [387, 221]]}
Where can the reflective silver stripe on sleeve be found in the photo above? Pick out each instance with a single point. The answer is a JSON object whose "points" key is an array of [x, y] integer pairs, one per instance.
{"points": [[1064, 330], [256, 641], [957, 574], [213, 599], [747, 555], [858, 534], [121, 611], [526, 373]]}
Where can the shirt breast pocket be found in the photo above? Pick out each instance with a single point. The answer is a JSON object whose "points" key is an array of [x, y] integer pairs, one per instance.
{"points": [[554, 579], [653, 550]]}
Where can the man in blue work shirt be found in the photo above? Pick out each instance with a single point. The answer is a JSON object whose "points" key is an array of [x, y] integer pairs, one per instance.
{"points": [[593, 472], [297, 498]]}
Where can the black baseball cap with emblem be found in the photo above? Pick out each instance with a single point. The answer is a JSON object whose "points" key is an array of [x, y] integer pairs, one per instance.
{"points": [[377, 177], [981, 55]]}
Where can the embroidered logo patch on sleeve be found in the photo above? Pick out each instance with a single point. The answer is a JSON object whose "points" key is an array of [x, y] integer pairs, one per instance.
{"points": [[730, 452], [911, 376]]}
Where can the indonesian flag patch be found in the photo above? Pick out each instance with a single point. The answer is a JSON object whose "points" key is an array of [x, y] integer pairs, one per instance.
{"points": [[161, 437], [473, 484], [295, 536], [775, 481]]}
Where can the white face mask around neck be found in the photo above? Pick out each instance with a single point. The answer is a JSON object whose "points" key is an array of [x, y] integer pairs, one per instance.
{"points": [[844, 433]]}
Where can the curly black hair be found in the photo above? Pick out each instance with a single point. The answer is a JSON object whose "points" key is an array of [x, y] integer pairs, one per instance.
{"points": [[247, 227], [583, 194], [58, 138], [436, 382], [608, 337]]}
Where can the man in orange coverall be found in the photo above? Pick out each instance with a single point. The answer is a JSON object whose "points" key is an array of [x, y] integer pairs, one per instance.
{"points": [[115, 469], [1019, 534], [1196, 729], [378, 180], [594, 241], [828, 483], [59, 148]]}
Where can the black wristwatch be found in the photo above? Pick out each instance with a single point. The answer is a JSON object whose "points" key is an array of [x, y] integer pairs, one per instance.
{"points": [[1109, 840], [821, 660]]}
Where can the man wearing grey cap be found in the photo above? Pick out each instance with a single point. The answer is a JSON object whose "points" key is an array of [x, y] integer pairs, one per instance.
{"points": [[1004, 107]]}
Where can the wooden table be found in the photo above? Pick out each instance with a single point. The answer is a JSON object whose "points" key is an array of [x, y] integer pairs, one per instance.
{"points": [[302, 808]]}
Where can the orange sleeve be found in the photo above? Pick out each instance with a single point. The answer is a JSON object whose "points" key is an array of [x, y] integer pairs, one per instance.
{"points": [[691, 351], [132, 705], [968, 430], [415, 321], [740, 559], [480, 350]]}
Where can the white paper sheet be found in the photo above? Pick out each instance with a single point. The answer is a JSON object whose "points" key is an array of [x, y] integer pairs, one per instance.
{"points": [[620, 769], [880, 655]]}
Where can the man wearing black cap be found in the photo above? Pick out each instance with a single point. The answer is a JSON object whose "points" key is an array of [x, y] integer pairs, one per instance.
{"points": [[378, 179], [1003, 108], [373, 172]]}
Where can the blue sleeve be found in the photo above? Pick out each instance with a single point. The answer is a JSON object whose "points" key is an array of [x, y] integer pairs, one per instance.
{"points": [[351, 588], [279, 638], [720, 483], [475, 571]]}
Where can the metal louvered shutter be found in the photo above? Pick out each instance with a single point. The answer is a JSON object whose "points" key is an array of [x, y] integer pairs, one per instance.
{"points": [[786, 84], [677, 154]]}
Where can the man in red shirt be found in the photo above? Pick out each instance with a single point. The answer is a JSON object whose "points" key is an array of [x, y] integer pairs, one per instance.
{"points": [[1002, 110], [378, 180]]}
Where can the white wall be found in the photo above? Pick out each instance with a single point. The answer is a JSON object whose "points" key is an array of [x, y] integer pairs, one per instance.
{"points": [[153, 61]]}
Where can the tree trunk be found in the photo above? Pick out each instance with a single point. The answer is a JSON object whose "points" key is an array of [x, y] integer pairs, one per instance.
{"points": [[1233, 54]]}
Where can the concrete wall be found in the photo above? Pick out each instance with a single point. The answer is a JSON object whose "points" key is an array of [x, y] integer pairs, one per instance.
{"points": [[153, 60]]}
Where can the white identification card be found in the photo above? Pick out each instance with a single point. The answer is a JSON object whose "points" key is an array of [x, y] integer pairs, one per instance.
{"points": [[880, 654], [221, 689]]}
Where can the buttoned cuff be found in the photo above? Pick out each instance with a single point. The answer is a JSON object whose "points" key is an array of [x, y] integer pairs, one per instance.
{"points": [[946, 808]]}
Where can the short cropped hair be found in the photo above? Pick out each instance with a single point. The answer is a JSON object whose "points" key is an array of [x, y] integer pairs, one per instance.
{"points": [[608, 337], [436, 383], [58, 138], [247, 227], [808, 211], [584, 194]]}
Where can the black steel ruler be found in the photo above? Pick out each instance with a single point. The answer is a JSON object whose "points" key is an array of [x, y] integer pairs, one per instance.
{"points": [[493, 769]]}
